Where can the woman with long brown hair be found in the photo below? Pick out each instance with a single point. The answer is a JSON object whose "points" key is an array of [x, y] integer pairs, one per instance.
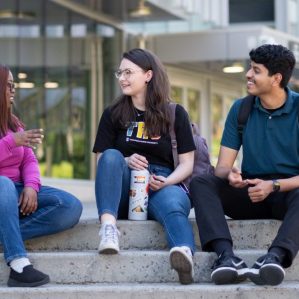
{"points": [[133, 134], [27, 209]]}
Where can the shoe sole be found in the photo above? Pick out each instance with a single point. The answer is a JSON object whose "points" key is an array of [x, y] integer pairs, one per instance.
{"points": [[228, 275], [108, 251], [254, 276], [18, 284], [270, 274], [225, 275], [182, 265]]}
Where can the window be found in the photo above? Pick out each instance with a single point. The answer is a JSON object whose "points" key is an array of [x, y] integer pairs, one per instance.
{"points": [[177, 94], [247, 11], [193, 98]]}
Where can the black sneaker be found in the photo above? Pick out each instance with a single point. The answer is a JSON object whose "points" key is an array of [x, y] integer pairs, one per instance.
{"points": [[228, 269], [28, 278], [267, 270]]}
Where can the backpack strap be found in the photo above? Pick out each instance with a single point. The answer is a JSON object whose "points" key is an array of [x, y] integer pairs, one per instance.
{"points": [[244, 111], [172, 108]]}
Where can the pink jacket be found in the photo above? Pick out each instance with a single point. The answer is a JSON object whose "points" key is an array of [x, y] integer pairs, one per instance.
{"points": [[18, 163]]}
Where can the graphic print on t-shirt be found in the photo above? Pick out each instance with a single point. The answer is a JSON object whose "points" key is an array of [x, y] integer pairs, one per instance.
{"points": [[136, 133]]}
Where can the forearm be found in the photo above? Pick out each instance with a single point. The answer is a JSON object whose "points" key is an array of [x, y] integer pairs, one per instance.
{"points": [[289, 184], [182, 171], [30, 171], [222, 172], [226, 160], [32, 181]]}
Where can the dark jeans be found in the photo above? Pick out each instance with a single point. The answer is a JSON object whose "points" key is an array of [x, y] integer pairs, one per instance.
{"points": [[214, 198]]}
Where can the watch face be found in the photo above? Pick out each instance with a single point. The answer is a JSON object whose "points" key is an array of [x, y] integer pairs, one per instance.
{"points": [[276, 186]]}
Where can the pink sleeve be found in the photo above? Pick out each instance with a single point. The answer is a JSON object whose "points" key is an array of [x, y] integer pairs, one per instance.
{"points": [[7, 144], [29, 170]]}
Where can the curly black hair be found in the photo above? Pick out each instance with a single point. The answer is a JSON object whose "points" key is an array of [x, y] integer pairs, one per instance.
{"points": [[277, 59]]}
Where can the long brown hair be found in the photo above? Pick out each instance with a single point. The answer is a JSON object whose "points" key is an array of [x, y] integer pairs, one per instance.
{"points": [[8, 121], [157, 96]]}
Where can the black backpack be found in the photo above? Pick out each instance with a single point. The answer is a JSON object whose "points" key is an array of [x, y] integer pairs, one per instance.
{"points": [[244, 111]]}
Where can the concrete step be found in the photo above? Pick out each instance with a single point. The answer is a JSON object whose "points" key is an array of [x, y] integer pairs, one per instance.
{"points": [[128, 266], [142, 269], [247, 234], [289, 290]]}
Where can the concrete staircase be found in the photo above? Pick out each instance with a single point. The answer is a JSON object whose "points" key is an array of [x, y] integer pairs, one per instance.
{"points": [[141, 270]]}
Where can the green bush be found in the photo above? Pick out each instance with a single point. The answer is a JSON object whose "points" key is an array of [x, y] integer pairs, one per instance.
{"points": [[62, 170]]}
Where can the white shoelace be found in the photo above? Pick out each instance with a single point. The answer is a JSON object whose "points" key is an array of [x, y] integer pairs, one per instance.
{"points": [[110, 233]]}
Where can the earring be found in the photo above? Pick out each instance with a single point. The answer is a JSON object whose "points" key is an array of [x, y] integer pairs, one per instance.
{"points": [[146, 82]]}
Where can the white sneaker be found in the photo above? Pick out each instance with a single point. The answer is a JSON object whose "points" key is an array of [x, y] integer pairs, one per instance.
{"points": [[181, 260], [109, 239]]}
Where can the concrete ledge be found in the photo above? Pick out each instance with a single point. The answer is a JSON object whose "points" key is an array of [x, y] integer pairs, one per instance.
{"points": [[289, 290], [247, 234], [128, 266]]}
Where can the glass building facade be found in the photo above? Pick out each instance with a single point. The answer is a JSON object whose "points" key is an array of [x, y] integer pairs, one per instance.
{"points": [[62, 64], [63, 54]]}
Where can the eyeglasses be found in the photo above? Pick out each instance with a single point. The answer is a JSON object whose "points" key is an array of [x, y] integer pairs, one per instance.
{"points": [[11, 86], [126, 72]]}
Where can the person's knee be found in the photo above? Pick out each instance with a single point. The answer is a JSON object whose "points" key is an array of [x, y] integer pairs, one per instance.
{"points": [[202, 185], [204, 179], [6, 184], [7, 191], [111, 156], [70, 210], [180, 205], [74, 209]]}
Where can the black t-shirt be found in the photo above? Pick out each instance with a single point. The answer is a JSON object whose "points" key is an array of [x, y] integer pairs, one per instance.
{"points": [[132, 139]]}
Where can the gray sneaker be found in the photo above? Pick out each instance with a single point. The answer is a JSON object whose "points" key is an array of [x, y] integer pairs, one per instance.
{"points": [[181, 261], [109, 243]]}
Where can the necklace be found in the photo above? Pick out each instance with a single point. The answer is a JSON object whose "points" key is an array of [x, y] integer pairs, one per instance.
{"points": [[138, 113]]}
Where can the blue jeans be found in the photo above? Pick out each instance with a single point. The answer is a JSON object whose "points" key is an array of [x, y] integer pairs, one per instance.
{"points": [[57, 211], [170, 206]]}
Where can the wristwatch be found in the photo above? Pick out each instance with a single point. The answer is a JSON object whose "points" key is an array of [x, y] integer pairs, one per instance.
{"points": [[275, 185]]}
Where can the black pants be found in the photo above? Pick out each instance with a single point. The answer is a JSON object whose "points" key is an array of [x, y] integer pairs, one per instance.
{"points": [[214, 198]]}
